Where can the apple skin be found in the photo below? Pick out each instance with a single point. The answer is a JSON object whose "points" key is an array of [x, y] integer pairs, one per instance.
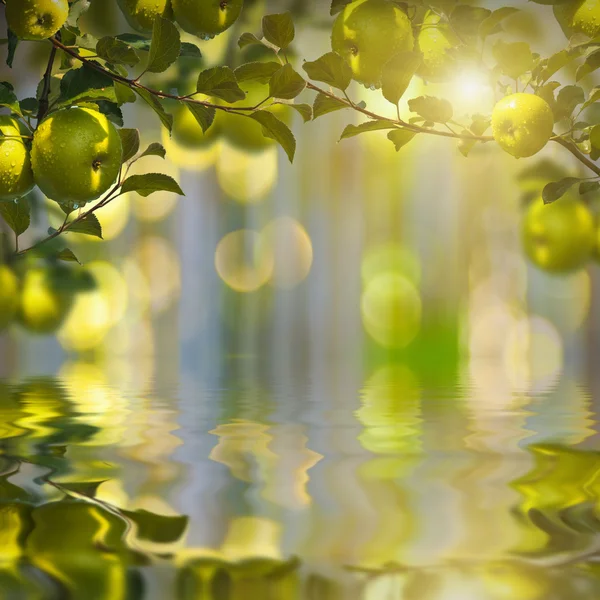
{"points": [[579, 16], [76, 156], [559, 237], [140, 14], [206, 18], [522, 124], [16, 176], [367, 34], [36, 19]]}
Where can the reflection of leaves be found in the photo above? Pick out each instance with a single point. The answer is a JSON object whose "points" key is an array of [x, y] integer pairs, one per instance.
{"points": [[155, 528]]}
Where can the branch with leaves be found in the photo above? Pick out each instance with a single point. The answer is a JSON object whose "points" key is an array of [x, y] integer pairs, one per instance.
{"points": [[106, 73]]}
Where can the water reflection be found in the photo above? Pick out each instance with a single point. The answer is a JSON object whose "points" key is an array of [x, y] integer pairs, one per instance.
{"points": [[250, 492]]}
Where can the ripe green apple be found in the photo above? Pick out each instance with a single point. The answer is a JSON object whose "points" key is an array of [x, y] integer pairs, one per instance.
{"points": [[76, 156], [9, 296], [246, 133], [435, 40], [559, 237], [206, 18], [140, 14], [36, 19], [579, 16], [187, 131], [522, 124], [367, 33], [43, 306], [16, 176]]}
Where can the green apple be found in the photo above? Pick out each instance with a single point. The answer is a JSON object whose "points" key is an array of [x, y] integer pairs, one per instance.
{"points": [[559, 237], [9, 296], [206, 18], [76, 156], [579, 16], [43, 305], [36, 19], [140, 14], [367, 33], [16, 175], [246, 133], [435, 40], [522, 124], [187, 131]]}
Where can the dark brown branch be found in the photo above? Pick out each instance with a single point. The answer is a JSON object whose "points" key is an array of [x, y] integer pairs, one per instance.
{"points": [[44, 99]]}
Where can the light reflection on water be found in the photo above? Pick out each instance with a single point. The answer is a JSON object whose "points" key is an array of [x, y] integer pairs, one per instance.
{"points": [[259, 491]]}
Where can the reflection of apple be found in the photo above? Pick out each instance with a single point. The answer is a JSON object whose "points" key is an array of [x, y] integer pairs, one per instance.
{"points": [[9, 296], [560, 236], [69, 542], [522, 124]]}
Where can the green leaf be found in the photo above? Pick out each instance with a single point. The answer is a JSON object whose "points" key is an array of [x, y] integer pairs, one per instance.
{"points": [[76, 10], [17, 215], [88, 226], [397, 74], [29, 106], [135, 40], [149, 183], [585, 187], [325, 104], [338, 5], [123, 93], [593, 97], [277, 130], [189, 50], [13, 42], [205, 115], [8, 98], [220, 82], [592, 62], [111, 111], [304, 110], [84, 84], [595, 142], [557, 189], [286, 83], [165, 118], [464, 145], [154, 149], [67, 255], [466, 20], [556, 62], [158, 529], [480, 124], [401, 137], [432, 109], [248, 39], [489, 24], [352, 130], [279, 29], [165, 47], [116, 51], [514, 59], [568, 98], [260, 72], [331, 69], [130, 140]]}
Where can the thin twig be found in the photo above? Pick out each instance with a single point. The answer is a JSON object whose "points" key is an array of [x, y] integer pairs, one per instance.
{"points": [[44, 103]]}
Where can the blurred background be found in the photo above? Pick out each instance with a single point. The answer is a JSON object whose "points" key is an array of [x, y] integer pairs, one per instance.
{"points": [[348, 359]]}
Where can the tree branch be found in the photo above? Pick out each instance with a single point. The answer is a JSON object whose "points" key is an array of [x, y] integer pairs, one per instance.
{"points": [[577, 154], [44, 103]]}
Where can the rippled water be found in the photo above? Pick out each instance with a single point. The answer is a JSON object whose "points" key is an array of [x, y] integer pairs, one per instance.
{"points": [[393, 491]]}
